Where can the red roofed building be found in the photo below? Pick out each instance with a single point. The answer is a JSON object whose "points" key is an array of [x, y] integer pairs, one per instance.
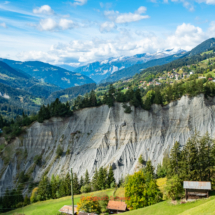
{"points": [[116, 207]]}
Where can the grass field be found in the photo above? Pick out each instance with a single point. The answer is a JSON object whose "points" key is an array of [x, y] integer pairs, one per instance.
{"points": [[199, 207], [51, 207]]}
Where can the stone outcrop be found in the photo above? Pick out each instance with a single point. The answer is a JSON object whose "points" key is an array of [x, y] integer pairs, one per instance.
{"points": [[103, 136]]}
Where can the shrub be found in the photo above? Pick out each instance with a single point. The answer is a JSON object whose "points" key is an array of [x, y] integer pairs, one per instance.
{"points": [[38, 160], [59, 151], [127, 108], [89, 204], [86, 188], [174, 189], [34, 195]]}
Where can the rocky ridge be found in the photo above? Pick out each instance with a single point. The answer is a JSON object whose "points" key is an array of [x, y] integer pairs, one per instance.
{"points": [[103, 136]]}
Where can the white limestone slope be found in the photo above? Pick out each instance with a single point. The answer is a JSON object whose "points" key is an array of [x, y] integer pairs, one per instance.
{"points": [[108, 136]]}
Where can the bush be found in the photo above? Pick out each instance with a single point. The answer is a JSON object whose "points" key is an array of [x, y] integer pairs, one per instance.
{"points": [[174, 189], [86, 188], [33, 197], [89, 204], [59, 151], [140, 159], [127, 108], [113, 185], [38, 160]]}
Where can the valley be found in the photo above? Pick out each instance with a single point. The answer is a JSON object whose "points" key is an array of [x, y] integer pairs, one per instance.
{"points": [[98, 127]]}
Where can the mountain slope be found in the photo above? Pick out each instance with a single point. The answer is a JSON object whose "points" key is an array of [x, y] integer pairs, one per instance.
{"points": [[70, 93], [131, 71], [50, 74], [210, 43], [98, 71], [20, 80], [19, 98]]}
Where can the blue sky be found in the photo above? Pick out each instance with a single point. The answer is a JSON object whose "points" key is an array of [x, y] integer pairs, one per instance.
{"points": [[78, 32]]}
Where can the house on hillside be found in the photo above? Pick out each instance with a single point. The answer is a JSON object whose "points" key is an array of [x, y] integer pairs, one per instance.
{"points": [[67, 209], [116, 207], [196, 189]]}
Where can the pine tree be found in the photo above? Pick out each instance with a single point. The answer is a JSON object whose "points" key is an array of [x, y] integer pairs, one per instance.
{"points": [[44, 191], [111, 178], [54, 187], [87, 178], [175, 157], [95, 181], [191, 152], [105, 176], [101, 184], [149, 171], [93, 100], [81, 182], [76, 185], [67, 185], [62, 191]]}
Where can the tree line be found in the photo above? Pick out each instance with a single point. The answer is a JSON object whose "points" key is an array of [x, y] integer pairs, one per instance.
{"points": [[195, 161], [58, 187]]}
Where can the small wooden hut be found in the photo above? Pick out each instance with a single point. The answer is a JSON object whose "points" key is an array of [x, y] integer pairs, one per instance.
{"points": [[197, 189]]}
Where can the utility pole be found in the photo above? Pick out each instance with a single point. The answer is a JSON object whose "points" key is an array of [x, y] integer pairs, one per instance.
{"points": [[72, 192]]}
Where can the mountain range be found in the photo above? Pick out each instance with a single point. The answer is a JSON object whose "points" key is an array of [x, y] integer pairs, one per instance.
{"points": [[30, 84], [100, 71], [47, 73]]}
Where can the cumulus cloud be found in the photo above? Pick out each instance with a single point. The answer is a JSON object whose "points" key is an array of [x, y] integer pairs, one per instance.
{"points": [[107, 26], [187, 36], [45, 9], [51, 25], [65, 24], [47, 24], [126, 17], [3, 25], [79, 2], [77, 52]]}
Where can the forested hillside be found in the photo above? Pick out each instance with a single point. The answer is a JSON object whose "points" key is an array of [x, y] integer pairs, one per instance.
{"points": [[20, 80], [71, 93]]}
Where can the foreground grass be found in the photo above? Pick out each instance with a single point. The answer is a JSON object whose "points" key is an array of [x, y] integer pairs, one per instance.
{"points": [[51, 207], [203, 207]]}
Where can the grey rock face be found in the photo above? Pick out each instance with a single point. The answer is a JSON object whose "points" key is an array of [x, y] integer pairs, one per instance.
{"points": [[103, 136]]}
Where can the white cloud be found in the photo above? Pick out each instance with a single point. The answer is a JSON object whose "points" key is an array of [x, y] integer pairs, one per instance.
{"points": [[186, 3], [187, 36], [51, 25], [3, 25], [126, 17], [78, 52], [6, 2], [65, 24], [47, 24], [130, 17], [141, 10], [45, 9], [79, 2], [107, 26]]}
